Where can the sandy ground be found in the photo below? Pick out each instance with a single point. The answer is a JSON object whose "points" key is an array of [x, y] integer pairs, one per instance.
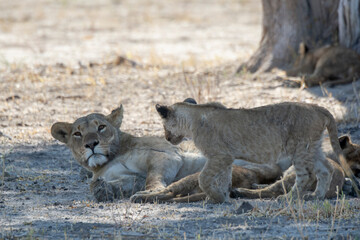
{"points": [[59, 61]]}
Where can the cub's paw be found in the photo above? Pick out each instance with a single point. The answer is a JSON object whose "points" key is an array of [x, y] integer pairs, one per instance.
{"points": [[311, 196], [102, 191], [288, 197]]}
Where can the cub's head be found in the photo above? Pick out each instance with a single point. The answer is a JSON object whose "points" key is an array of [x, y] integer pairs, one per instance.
{"points": [[93, 139], [304, 63], [173, 121], [352, 154]]}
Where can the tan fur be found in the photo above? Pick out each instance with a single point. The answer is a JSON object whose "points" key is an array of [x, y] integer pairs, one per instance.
{"points": [[352, 154], [187, 189], [244, 178], [330, 64], [288, 133], [123, 164], [285, 184]]}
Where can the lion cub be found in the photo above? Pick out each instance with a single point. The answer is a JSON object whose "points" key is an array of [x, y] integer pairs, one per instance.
{"points": [[352, 154], [330, 64], [280, 134]]}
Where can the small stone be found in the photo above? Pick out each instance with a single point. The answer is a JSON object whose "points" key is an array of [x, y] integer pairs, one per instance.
{"points": [[245, 207]]}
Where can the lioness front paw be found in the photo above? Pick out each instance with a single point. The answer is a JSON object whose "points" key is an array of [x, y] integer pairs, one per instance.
{"points": [[102, 191], [139, 198], [151, 197]]}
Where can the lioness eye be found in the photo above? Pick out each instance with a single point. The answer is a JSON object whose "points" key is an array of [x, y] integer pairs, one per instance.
{"points": [[77, 134], [101, 127]]}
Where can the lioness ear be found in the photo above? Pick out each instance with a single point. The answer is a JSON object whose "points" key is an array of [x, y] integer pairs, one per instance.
{"points": [[116, 116], [162, 110], [303, 49], [61, 131], [344, 141], [190, 100]]}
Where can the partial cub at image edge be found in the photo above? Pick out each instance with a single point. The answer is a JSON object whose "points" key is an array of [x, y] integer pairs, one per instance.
{"points": [[330, 65]]}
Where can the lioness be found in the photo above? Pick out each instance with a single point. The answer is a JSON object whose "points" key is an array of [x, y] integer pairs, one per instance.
{"points": [[284, 134], [123, 164], [187, 189], [330, 64]]}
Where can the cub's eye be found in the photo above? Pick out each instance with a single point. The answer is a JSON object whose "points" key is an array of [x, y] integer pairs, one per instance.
{"points": [[77, 134], [101, 127]]}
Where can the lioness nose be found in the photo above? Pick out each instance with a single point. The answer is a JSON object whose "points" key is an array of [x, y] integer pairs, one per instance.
{"points": [[92, 144]]}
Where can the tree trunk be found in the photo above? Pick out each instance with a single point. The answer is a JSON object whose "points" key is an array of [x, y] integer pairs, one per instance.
{"points": [[286, 24], [349, 24]]}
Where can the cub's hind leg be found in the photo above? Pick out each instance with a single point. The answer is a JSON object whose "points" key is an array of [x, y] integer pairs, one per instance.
{"points": [[310, 164], [323, 172], [303, 161]]}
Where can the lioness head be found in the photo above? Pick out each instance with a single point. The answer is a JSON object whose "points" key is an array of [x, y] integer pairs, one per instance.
{"points": [[92, 139], [352, 153], [173, 121]]}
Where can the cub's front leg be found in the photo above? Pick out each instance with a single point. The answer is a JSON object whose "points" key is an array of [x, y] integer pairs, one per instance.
{"points": [[215, 178]]}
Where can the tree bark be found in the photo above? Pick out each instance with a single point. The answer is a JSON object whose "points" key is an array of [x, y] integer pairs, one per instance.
{"points": [[349, 24], [287, 23]]}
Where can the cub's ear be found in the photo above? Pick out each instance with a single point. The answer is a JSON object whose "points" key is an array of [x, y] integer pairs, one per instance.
{"points": [[190, 100], [116, 116], [61, 131], [163, 111], [303, 49], [344, 141]]}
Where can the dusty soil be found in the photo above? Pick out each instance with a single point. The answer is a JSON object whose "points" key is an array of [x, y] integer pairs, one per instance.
{"points": [[60, 60]]}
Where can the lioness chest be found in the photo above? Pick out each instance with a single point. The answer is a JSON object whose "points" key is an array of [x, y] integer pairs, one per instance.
{"points": [[130, 163]]}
